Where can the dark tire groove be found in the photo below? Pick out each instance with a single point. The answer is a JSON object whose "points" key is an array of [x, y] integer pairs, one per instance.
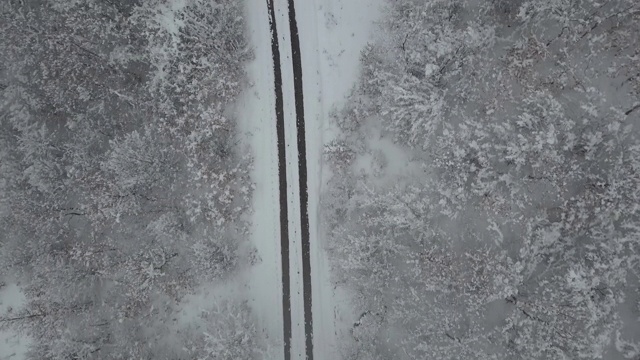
{"points": [[302, 171], [282, 177]]}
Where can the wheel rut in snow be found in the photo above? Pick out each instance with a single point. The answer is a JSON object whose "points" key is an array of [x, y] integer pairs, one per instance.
{"points": [[282, 177], [302, 171]]}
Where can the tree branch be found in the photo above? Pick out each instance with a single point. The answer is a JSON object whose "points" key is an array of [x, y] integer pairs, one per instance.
{"points": [[628, 112], [31, 316], [452, 337]]}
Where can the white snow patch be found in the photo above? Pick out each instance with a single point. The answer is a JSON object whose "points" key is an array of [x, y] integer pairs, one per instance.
{"points": [[11, 298], [13, 345], [384, 159], [430, 69], [169, 22]]}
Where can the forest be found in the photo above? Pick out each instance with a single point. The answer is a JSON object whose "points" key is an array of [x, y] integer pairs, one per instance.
{"points": [[483, 199], [122, 185], [485, 188]]}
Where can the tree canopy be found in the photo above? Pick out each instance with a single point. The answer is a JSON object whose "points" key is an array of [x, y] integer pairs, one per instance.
{"points": [[513, 230], [123, 185]]}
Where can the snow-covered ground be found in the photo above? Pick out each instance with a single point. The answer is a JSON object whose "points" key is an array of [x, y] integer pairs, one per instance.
{"points": [[12, 345], [257, 120], [332, 34]]}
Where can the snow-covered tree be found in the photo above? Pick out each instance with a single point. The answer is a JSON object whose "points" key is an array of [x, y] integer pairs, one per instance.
{"points": [[514, 234], [123, 188]]}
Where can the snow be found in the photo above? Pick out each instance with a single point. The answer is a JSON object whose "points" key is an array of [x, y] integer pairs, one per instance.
{"points": [[12, 345], [332, 36], [169, 22], [256, 117], [383, 160]]}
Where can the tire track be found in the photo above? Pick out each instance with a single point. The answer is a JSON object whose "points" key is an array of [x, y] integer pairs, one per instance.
{"points": [[302, 171], [282, 176]]}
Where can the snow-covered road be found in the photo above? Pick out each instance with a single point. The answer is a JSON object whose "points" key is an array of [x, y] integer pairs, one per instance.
{"points": [[331, 35]]}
